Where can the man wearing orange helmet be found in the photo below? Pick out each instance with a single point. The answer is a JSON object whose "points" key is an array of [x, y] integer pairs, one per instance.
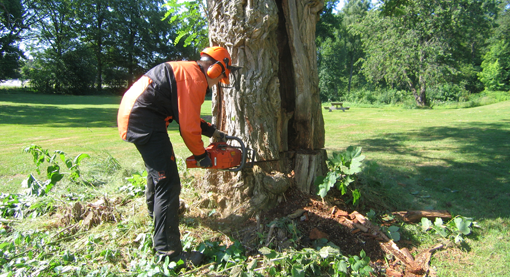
{"points": [[171, 91]]}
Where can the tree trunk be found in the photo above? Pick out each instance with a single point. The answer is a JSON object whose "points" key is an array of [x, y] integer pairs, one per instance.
{"points": [[273, 104], [350, 71], [420, 97]]}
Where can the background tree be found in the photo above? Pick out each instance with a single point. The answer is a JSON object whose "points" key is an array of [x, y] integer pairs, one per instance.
{"points": [[57, 49], [192, 26], [140, 40], [331, 52], [11, 25], [355, 11], [81, 45], [424, 45], [95, 19], [496, 63], [273, 104]]}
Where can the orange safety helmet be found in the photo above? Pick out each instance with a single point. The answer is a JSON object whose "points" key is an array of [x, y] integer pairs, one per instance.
{"points": [[223, 63]]}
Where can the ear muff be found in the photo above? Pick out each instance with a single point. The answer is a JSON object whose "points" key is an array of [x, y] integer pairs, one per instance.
{"points": [[215, 70]]}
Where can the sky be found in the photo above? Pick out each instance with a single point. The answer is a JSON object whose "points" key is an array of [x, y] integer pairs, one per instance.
{"points": [[342, 3]]}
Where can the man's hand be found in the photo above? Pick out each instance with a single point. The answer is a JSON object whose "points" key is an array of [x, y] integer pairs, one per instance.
{"points": [[203, 160], [219, 135]]}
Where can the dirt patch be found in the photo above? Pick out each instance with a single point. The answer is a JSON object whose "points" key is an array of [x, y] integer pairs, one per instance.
{"points": [[313, 219]]}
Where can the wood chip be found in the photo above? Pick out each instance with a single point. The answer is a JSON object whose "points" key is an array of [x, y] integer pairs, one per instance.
{"points": [[416, 215]]}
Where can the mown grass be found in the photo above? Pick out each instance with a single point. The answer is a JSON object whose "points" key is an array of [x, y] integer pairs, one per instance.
{"points": [[444, 159], [451, 159]]}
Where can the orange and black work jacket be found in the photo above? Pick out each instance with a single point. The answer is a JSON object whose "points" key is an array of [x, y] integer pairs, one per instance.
{"points": [[169, 91]]}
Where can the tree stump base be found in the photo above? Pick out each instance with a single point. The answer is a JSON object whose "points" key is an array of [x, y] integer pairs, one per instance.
{"points": [[309, 166]]}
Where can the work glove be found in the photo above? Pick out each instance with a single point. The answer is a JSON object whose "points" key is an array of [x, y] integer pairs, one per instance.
{"points": [[203, 160], [219, 135]]}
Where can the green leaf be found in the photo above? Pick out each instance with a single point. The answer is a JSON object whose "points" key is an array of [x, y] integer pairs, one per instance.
{"points": [[4, 245], [463, 225], [80, 157], [327, 184], [355, 196], [356, 166], [459, 238], [297, 270], [342, 266], [425, 224], [61, 155], [329, 251], [252, 264], [269, 253], [393, 228], [440, 230]]}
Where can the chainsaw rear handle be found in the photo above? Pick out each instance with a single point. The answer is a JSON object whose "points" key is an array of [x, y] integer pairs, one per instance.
{"points": [[243, 150]]}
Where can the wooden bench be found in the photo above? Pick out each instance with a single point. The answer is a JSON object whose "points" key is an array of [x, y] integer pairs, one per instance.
{"points": [[337, 106]]}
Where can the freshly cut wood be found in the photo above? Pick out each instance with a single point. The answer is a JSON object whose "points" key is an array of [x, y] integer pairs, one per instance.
{"points": [[317, 234], [339, 213], [359, 224], [416, 215], [391, 248], [296, 214], [309, 166]]}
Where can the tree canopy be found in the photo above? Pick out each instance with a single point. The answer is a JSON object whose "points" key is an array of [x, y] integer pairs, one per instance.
{"points": [[11, 25], [84, 46], [415, 46]]}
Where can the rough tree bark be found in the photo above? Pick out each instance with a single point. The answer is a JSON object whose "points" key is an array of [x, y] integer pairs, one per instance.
{"points": [[273, 104]]}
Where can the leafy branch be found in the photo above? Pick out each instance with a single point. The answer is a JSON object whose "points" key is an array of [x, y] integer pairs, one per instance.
{"points": [[456, 228], [194, 25], [311, 262], [343, 168]]}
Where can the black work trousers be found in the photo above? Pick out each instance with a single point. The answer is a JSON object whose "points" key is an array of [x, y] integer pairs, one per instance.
{"points": [[162, 193]]}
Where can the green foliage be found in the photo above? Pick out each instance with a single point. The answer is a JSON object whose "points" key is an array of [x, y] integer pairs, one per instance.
{"points": [[107, 44], [496, 67], [136, 184], [424, 44], [193, 27], [12, 205], [35, 201], [53, 169], [224, 257], [455, 229], [343, 168], [71, 72], [11, 25], [393, 232], [313, 262], [447, 93]]}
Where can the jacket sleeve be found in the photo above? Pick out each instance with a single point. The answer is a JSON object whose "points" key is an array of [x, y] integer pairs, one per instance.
{"points": [[191, 88]]}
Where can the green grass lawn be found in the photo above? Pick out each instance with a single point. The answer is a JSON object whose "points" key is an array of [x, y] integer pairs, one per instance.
{"points": [[451, 159], [445, 159]]}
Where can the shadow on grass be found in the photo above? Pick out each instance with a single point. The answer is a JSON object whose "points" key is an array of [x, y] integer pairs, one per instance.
{"points": [[467, 172], [57, 99], [62, 117]]}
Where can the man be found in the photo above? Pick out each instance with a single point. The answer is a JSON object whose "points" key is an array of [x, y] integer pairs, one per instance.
{"points": [[171, 91]]}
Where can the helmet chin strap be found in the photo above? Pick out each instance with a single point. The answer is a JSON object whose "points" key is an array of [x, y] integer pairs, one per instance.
{"points": [[233, 71]]}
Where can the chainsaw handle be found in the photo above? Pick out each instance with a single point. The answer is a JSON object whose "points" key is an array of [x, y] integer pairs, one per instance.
{"points": [[243, 150]]}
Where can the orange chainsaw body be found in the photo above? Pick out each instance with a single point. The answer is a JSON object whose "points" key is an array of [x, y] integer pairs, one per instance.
{"points": [[222, 155]]}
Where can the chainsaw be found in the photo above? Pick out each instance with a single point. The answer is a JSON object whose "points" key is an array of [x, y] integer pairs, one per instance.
{"points": [[225, 157]]}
